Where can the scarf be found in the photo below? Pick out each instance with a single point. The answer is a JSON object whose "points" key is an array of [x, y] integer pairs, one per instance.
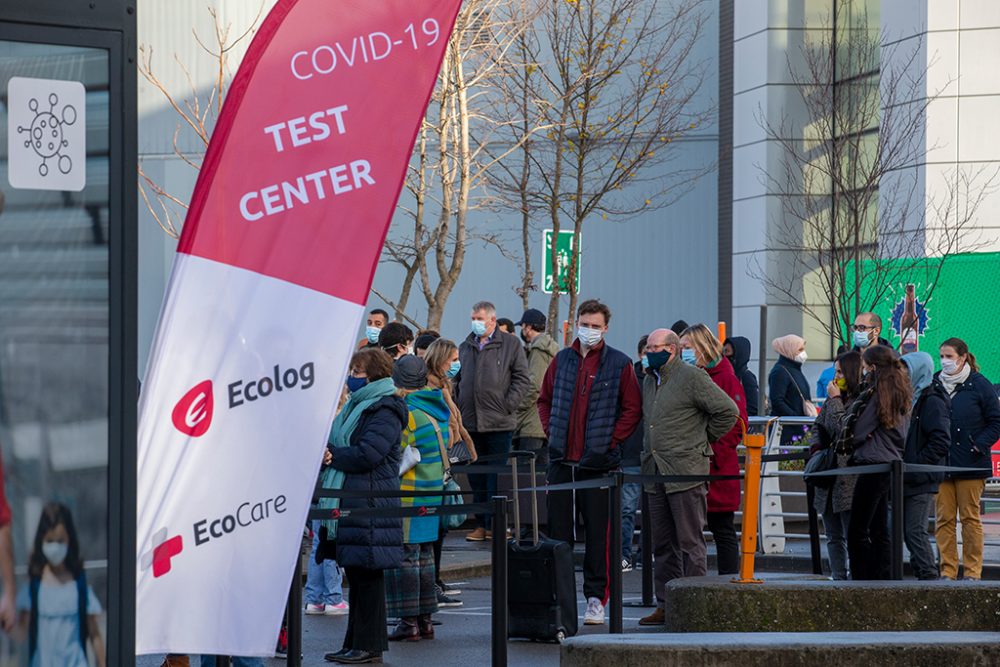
{"points": [[951, 382], [788, 346], [844, 443], [340, 436]]}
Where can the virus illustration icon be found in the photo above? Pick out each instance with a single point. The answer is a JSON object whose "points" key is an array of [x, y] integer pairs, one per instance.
{"points": [[45, 136]]}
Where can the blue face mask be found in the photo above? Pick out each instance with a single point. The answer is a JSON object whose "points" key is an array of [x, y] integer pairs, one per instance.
{"points": [[455, 367], [861, 338], [479, 328], [645, 361], [656, 360], [371, 333], [689, 356], [355, 384]]}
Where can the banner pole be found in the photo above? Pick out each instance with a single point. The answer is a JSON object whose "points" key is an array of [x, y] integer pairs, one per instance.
{"points": [[646, 539], [294, 616], [896, 491]]}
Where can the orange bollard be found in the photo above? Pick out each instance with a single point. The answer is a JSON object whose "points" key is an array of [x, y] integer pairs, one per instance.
{"points": [[754, 443], [722, 332]]}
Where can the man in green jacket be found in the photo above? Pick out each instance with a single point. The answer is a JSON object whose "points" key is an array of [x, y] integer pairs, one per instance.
{"points": [[684, 412], [542, 350]]}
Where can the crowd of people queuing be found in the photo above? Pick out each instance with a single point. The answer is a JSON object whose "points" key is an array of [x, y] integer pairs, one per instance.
{"points": [[414, 404]]}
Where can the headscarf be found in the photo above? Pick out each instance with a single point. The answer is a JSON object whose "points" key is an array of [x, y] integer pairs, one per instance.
{"points": [[788, 346], [921, 367]]}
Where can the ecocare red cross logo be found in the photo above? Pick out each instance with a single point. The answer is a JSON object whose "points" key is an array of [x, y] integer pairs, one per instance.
{"points": [[192, 415], [163, 550]]}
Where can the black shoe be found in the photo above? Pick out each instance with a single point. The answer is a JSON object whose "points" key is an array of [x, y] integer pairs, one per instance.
{"points": [[405, 631], [354, 657]]}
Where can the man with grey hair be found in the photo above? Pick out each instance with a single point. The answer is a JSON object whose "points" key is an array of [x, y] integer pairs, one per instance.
{"points": [[867, 331], [684, 412], [489, 388]]}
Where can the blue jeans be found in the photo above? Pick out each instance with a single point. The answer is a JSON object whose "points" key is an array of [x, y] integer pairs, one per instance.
{"points": [[484, 487], [209, 661], [323, 581], [631, 493]]}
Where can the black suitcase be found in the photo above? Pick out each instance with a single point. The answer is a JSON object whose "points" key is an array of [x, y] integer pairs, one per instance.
{"points": [[541, 581]]}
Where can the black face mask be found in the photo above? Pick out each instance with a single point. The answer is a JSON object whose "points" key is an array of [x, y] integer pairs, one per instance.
{"points": [[524, 338]]}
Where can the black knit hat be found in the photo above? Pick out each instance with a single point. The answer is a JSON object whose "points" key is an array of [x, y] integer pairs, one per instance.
{"points": [[409, 372]]}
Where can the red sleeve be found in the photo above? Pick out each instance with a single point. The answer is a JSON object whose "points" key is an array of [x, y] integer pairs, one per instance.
{"points": [[545, 396], [631, 401]]}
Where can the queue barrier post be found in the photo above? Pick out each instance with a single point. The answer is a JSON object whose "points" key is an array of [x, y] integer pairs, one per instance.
{"points": [[646, 539], [896, 494], [754, 444], [222, 661], [499, 583], [814, 550], [615, 591]]}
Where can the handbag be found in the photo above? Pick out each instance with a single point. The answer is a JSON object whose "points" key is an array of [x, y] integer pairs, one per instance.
{"points": [[459, 453], [821, 461], [453, 521], [807, 406]]}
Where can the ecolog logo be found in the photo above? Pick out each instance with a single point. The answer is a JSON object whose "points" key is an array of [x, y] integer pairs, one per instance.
{"points": [[192, 415]]}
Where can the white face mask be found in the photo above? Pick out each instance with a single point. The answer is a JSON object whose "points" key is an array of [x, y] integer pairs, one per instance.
{"points": [[949, 366], [589, 337], [55, 552], [801, 357]]}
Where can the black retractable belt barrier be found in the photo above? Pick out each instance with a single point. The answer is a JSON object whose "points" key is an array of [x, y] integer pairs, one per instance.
{"points": [[817, 558], [615, 592], [222, 661], [294, 616], [499, 583]]}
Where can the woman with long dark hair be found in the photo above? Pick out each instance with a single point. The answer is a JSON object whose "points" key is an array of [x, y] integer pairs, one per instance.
{"points": [[875, 432], [975, 426], [833, 500]]}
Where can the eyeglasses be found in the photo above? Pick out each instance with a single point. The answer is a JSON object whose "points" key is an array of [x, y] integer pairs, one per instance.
{"points": [[863, 328]]}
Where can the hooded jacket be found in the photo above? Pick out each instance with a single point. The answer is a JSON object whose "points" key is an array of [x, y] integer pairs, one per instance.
{"points": [[371, 463], [975, 426], [427, 409], [740, 362], [724, 495], [541, 352]]}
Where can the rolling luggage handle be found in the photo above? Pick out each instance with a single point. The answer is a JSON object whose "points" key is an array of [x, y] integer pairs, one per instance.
{"points": [[534, 495]]}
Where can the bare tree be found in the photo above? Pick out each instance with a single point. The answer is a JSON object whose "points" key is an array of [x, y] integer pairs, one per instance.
{"points": [[616, 82], [452, 160], [197, 113], [855, 220]]}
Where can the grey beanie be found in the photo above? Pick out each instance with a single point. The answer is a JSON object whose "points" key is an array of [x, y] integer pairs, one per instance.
{"points": [[409, 372]]}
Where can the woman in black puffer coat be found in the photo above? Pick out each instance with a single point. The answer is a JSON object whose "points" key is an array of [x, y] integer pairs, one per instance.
{"points": [[369, 458]]}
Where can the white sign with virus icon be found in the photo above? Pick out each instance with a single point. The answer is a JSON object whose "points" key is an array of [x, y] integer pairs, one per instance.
{"points": [[47, 134]]}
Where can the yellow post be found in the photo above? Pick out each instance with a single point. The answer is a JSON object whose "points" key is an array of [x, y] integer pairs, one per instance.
{"points": [[722, 332], [754, 444]]}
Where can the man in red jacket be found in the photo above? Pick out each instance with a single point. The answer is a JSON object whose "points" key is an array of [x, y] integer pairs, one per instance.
{"points": [[589, 404]]}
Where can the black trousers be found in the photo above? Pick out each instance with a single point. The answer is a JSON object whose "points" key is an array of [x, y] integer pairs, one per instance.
{"points": [[868, 543], [366, 620], [727, 544], [593, 506]]}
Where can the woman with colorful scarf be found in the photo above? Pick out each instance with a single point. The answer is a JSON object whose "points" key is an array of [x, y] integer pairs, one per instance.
{"points": [[411, 593], [364, 455]]}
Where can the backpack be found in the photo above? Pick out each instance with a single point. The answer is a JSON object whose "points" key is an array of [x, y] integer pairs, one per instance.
{"points": [[81, 605]]}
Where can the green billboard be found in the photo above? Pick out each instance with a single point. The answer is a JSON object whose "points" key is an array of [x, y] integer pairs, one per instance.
{"points": [[963, 302]]}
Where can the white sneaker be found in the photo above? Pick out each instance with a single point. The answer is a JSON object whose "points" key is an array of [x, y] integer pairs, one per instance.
{"points": [[595, 612], [314, 609], [339, 609]]}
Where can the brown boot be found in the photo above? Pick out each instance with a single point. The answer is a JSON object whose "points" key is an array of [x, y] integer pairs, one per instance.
{"points": [[176, 661], [478, 535], [656, 618], [426, 626]]}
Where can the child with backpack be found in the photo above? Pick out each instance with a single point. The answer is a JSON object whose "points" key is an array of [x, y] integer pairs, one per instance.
{"points": [[58, 609]]}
